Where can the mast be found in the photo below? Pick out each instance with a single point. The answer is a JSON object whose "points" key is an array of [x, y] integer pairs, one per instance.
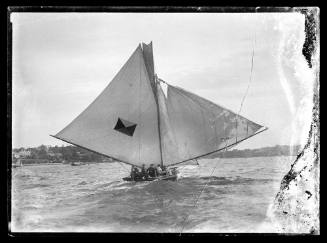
{"points": [[149, 63], [159, 130]]}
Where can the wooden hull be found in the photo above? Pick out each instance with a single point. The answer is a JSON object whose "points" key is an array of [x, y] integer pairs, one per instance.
{"points": [[160, 178]]}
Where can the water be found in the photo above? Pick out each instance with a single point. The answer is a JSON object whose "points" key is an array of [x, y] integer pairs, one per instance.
{"points": [[93, 197]]}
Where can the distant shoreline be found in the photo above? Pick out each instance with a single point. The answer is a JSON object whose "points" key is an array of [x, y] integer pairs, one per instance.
{"points": [[89, 163], [70, 154], [278, 150]]}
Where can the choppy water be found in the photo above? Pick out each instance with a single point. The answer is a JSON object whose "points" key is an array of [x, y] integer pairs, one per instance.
{"points": [[94, 198]]}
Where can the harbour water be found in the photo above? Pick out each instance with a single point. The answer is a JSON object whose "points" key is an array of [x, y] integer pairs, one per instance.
{"points": [[237, 193]]}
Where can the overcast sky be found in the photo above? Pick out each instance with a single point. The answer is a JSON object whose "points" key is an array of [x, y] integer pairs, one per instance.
{"points": [[62, 61]]}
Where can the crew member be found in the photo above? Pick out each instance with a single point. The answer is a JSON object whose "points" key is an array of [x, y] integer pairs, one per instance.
{"points": [[144, 174], [164, 170], [152, 172], [159, 170], [134, 172]]}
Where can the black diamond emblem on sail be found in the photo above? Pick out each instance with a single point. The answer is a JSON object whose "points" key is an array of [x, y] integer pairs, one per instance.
{"points": [[125, 127]]}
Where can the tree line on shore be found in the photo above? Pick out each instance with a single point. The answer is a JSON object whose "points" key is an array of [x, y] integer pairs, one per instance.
{"points": [[278, 150], [58, 154], [73, 153]]}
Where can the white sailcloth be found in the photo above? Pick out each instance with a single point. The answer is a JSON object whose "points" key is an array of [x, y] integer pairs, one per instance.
{"points": [[134, 122], [169, 145], [107, 125], [200, 127]]}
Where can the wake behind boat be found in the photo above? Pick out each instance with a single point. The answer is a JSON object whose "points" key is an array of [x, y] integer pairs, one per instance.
{"points": [[134, 122]]}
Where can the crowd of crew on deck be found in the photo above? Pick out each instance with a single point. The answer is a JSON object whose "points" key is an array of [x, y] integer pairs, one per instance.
{"points": [[150, 172]]}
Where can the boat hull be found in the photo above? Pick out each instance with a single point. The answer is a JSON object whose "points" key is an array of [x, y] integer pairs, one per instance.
{"points": [[160, 178]]}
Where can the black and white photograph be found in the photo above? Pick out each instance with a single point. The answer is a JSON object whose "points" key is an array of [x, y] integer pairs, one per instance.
{"points": [[156, 121]]}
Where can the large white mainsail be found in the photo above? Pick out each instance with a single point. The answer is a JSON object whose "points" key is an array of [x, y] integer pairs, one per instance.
{"points": [[133, 121], [122, 121]]}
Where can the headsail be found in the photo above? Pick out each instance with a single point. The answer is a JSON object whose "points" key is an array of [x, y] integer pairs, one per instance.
{"points": [[200, 127], [169, 145], [122, 121], [149, 62]]}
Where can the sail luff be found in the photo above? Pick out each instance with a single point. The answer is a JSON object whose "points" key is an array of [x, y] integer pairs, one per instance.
{"points": [[226, 147], [149, 63], [168, 139], [159, 128]]}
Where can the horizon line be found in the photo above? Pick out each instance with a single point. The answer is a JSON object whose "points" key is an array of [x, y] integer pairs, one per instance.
{"points": [[77, 146]]}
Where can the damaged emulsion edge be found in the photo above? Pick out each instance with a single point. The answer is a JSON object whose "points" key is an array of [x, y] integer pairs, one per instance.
{"points": [[296, 206]]}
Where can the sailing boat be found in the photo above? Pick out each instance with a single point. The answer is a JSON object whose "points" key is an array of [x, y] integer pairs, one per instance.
{"points": [[133, 121]]}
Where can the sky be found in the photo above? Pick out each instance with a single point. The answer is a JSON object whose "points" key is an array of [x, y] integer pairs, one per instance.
{"points": [[62, 61]]}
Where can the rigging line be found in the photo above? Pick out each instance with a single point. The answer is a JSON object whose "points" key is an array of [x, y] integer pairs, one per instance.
{"points": [[156, 83], [197, 199], [251, 75], [249, 83], [159, 126], [183, 166], [139, 107], [189, 95]]}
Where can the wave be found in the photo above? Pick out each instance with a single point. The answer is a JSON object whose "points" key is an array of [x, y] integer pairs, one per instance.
{"points": [[216, 180], [38, 185]]}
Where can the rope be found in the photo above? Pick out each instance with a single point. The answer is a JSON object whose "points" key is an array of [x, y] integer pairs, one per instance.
{"points": [[197, 199], [251, 74], [249, 83]]}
